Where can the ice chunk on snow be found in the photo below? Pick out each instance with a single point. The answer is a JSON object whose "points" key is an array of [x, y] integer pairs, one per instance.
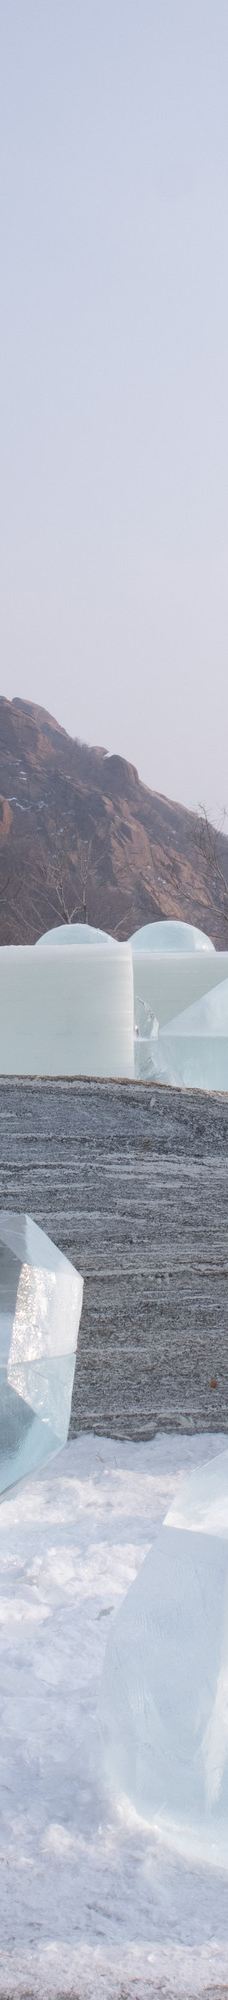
{"points": [[170, 935], [40, 1310], [164, 1696], [192, 1049], [201, 1502]]}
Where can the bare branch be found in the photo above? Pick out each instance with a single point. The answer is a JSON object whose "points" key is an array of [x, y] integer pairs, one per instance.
{"points": [[209, 837], [123, 920], [15, 912]]}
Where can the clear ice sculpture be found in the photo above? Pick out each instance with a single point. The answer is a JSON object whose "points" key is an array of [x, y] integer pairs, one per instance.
{"points": [[172, 973], [192, 1049], [164, 1706], [40, 1310], [146, 1034], [170, 935]]}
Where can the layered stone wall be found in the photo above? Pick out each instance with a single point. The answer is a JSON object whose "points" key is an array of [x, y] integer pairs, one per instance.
{"points": [[132, 1182]]}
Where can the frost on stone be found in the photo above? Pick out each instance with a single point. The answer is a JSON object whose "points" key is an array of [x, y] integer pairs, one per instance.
{"points": [[192, 1049], [163, 1706], [40, 1310]]}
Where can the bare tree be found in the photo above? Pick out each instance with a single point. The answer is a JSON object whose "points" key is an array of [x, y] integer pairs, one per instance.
{"points": [[55, 886], [210, 845], [126, 919], [60, 875], [4, 886], [84, 859]]}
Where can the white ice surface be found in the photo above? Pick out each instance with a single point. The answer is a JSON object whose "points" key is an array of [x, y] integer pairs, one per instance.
{"points": [[93, 1903], [66, 1012]]}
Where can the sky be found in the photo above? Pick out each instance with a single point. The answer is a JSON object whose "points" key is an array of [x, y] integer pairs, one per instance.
{"points": [[113, 379]]}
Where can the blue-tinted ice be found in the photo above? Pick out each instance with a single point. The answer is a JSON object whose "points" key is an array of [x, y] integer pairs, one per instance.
{"points": [[40, 1310], [192, 1048], [170, 935], [164, 1691]]}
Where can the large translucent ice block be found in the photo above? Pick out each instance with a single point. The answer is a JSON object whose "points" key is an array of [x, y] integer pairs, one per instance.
{"points": [[193, 1048], [164, 1688], [40, 1310], [66, 1012]]}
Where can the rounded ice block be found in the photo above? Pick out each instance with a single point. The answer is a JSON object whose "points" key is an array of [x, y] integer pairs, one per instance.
{"points": [[73, 934], [170, 935], [164, 1688], [40, 1311]]}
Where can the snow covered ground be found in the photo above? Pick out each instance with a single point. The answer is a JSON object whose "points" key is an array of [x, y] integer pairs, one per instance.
{"points": [[91, 1904]]}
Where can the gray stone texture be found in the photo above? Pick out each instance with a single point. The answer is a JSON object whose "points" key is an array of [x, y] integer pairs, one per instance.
{"points": [[131, 1181]]}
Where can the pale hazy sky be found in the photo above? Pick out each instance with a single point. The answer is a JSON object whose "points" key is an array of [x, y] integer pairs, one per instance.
{"points": [[114, 377]]}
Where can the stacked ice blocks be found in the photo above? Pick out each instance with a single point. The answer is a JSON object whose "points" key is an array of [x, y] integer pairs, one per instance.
{"points": [[181, 1006], [67, 1011]]}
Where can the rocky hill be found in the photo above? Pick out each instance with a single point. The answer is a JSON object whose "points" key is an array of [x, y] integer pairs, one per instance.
{"points": [[80, 835]]}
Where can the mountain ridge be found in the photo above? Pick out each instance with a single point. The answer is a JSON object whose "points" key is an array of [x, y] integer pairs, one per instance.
{"points": [[81, 833]]}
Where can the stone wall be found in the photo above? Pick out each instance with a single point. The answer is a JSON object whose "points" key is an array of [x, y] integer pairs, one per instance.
{"points": [[132, 1182]]}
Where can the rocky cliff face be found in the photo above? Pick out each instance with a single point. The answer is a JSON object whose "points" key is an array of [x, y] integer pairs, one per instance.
{"points": [[79, 834]]}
